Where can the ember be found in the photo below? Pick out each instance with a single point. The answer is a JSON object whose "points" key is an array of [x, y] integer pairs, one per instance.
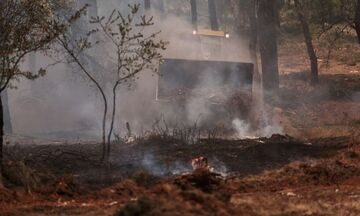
{"points": [[200, 163]]}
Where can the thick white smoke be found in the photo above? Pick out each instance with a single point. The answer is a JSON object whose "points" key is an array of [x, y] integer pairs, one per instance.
{"points": [[65, 102]]}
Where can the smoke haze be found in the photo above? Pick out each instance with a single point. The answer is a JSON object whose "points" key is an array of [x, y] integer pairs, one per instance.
{"points": [[66, 104]]}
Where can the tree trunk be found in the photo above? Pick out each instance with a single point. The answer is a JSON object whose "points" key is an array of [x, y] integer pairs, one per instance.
{"points": [[253, 46], [256, 115], [213, 16], [112, 122], [1, 140], [102, 93], [267, 31], [147, 4], [309, 44], [161, 6], [6, 110], [194, 17], [357, 20], [220, 8], [278, 6], [236, 9], [253, 30]]}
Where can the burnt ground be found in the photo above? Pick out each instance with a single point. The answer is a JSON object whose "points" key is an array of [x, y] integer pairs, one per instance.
{"points": [[316, 173], [269, 176], [165, 156]]}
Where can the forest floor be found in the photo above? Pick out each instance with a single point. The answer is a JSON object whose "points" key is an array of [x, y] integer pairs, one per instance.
{"points": [[315, 171]]}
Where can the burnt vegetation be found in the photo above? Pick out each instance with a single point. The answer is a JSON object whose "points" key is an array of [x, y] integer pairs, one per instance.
{"points": [[186, 107]]}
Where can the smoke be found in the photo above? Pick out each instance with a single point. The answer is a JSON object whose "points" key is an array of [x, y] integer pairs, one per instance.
{"points": [[198, 104], [269, 126], [242, 128], [65, 102], [150, 164], [155, 167]]}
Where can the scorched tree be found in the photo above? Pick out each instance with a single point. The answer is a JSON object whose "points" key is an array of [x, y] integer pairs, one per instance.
{"points": [[25, 27]]}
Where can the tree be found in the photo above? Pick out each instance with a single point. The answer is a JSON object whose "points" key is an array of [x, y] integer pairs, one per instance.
{"points": [[135, 51], [6, 111], [75, 45], [147, 4], [25, 27], [308, 42], [331, 14], [213, 16], [267, 31], [194, 14]]}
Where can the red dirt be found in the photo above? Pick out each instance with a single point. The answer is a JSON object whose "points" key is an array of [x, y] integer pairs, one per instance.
{"points": [[312, 186]]}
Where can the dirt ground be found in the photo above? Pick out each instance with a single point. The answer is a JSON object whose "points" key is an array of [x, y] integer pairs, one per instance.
{"points": [[315, 171], [275, 176]]}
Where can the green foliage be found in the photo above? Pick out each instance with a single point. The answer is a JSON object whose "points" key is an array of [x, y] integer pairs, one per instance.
{"points": [[134, 49], [323, 13], [25, 27], [130, 47]]}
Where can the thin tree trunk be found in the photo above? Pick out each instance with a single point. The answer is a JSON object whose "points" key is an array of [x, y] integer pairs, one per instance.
{"points": [[104, 129], [194, 16], [253, 30], [309, 44], [357, 20], [213, 16], [267, 31], [257, 93], [112, 122], [1, 140], [77, 61], [161, 6], [236, 11], [278, 7], [147, 4], [220, 8], [6, 109], [253, 47]]}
